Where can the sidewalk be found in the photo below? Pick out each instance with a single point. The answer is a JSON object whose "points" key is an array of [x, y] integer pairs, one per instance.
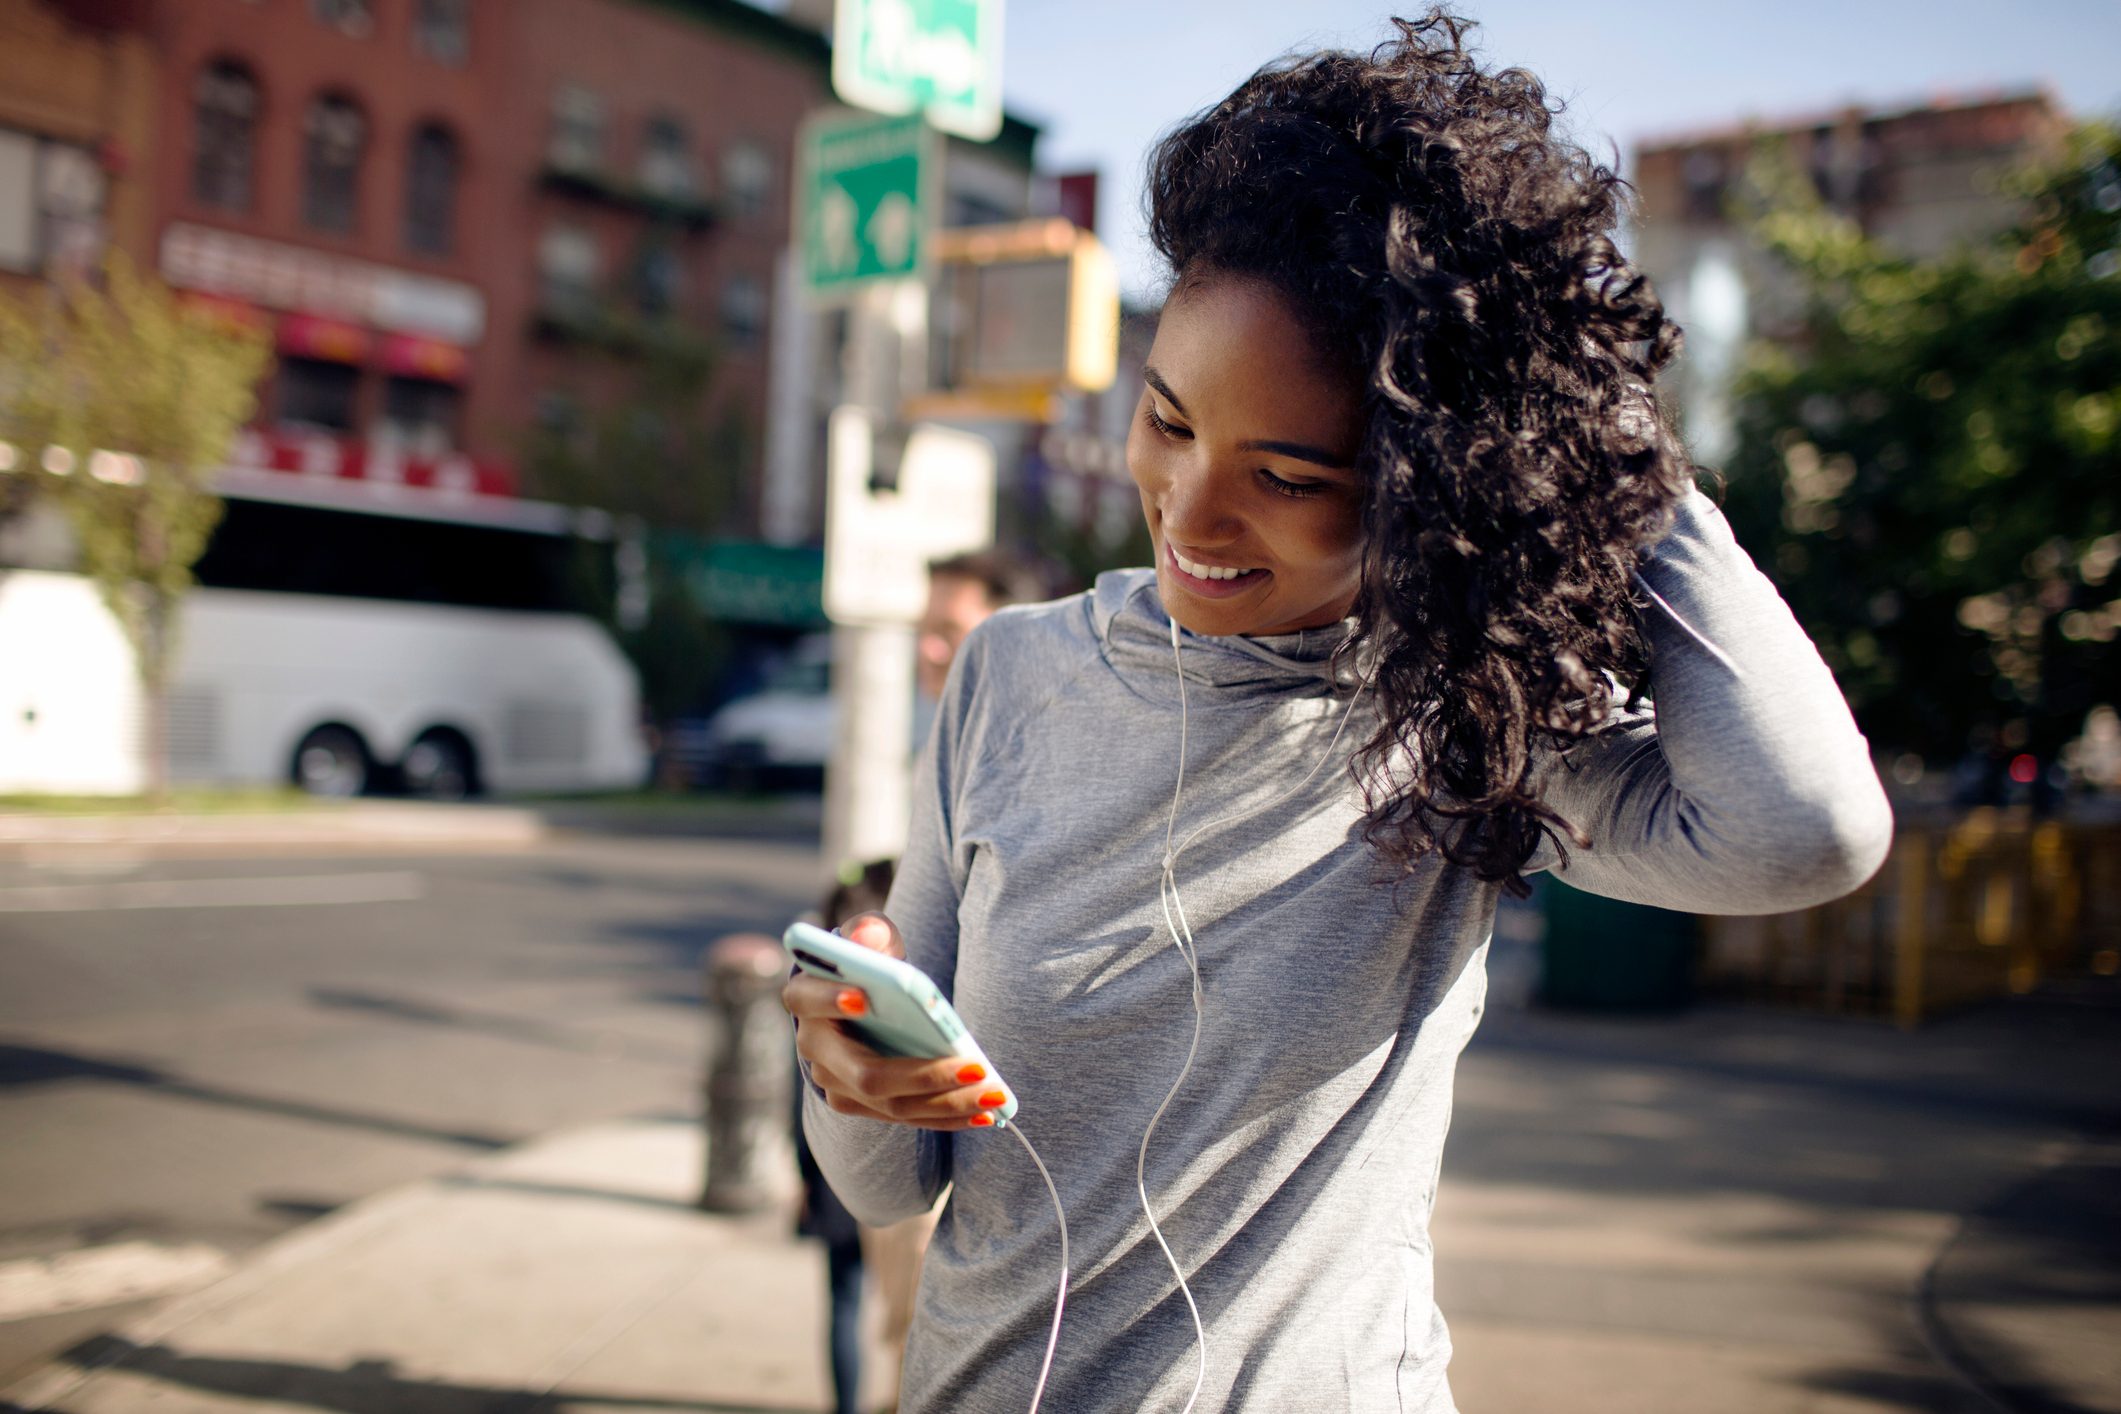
{"points": [[382, 825], [1734, 1210]]}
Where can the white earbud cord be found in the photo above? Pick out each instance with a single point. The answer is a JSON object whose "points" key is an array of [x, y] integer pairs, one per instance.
{"points": [[1182, 938], [1060, 1301]]}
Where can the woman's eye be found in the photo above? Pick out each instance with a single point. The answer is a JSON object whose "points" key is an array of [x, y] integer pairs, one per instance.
{"points": [[1283, 486], [1163, 428]]}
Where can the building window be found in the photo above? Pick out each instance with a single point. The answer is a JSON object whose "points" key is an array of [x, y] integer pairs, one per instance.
{"points": [[577, 129], [743, 311], [317, 395], [354, 18], [559, 417], [1703, 175], [431, 190], [570, 268], [21, 239], [332, 139], [658, 279], [747, 179], [441, 29], [666, 161], [420, 416], [51, 205], [962, 208], [224, 135]]}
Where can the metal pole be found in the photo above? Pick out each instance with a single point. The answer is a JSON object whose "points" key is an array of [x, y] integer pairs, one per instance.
{"points": [[750, 1151], [867, 784]]}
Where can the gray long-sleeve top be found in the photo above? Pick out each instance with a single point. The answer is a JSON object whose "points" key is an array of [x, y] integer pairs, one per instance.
{"points": [[1295, 1173]]}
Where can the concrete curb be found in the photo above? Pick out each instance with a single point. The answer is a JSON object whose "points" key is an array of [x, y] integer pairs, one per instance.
{"points": [[356, 824], [588, 1162], [253, 1271]]}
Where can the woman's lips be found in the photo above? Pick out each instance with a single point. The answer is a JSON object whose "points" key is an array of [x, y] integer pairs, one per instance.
{"points": [[1211, 588]]}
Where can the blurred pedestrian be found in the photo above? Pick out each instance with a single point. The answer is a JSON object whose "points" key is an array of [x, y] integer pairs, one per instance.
{"points": [[1208, 857], [859, 888], [963, 591]]}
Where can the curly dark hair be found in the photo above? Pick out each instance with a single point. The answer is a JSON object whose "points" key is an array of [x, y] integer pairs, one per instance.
{"points": [[1442, 244]]}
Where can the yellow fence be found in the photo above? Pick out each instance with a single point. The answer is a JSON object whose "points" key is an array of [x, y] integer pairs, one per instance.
{"points": [[1983, 907]]}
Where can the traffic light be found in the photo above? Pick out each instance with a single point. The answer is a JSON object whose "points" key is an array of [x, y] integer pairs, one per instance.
{"points": [[1024, 312]]}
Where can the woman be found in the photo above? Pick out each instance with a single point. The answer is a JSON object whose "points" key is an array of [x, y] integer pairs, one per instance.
{"points": [[1416, 519]]}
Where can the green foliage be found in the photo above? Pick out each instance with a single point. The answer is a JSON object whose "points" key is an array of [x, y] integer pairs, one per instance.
{"points": [[660, 459], [656, 453], [678, 649], [1932, 472], [121, 402], [1081, 552]]}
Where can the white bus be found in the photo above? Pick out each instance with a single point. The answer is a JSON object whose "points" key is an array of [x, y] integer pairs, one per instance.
{"points": [[345, 637]]}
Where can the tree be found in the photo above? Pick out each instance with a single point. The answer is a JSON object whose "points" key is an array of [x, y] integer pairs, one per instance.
{"points": [[1930, 469], [122, 402], [650, 454], [670, 473]]}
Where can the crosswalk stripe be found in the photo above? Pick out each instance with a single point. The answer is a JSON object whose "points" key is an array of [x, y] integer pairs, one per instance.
{"points": [[104, 1276], [271, 891]]}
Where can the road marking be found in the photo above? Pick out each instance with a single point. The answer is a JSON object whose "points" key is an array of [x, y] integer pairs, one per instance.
{"points": [[104, 1276], [272, 891]]}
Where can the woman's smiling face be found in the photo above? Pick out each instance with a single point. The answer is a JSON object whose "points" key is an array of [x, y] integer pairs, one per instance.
{"points": [[1243, 448]]}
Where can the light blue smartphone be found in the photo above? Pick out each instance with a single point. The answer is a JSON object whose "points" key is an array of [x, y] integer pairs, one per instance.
{"points": [[908, 1014]]}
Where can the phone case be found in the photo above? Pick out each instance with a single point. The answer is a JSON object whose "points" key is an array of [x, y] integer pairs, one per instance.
{"points": [[908, 1014]]}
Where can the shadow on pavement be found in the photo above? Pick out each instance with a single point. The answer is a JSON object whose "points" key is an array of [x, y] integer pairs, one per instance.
{"points": [[526, 1030], [2021, 1301], [30, 1065], [488, 1184], [364, 1387]]}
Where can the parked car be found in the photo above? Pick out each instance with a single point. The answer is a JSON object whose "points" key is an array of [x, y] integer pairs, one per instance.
{"points": [[779, 737]]}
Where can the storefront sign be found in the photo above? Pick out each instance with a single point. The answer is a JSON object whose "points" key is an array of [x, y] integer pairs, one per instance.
{"points": [[290, 277]]}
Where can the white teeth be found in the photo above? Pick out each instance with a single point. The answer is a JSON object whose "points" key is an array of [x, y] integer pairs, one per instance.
{"points": [[1206, 571]]}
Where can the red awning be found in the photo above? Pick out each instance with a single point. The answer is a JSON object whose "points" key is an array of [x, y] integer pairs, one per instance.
{"points": [[411, 356], [233, 313], [314, 336]]}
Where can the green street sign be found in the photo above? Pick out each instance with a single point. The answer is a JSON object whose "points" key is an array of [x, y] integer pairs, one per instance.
{"points": [[866, 201], [939, 57]]}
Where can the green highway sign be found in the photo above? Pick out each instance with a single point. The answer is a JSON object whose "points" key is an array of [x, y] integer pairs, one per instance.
{"points": [[866, 201], [939, 57]]}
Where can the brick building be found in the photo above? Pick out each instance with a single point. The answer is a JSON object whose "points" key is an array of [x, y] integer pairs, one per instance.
{"points": [[463, 220], [324, 170], [1919, 179], [77, 125], [465, 223], [651, 147]]}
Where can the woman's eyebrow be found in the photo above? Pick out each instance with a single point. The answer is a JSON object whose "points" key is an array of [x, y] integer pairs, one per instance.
{"points": [[1298, 450], [1156, 381]]}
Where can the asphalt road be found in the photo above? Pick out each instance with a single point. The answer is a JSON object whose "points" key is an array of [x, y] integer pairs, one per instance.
{"points": [[198, 1054]]}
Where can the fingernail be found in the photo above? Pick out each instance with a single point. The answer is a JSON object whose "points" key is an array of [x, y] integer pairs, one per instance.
{"points": [[980, 1121], [852, 1002], [994, 1099], [971, 1075]]}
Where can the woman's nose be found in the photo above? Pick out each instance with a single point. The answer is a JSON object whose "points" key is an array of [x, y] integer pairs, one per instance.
{"points": [[1197, 509]]}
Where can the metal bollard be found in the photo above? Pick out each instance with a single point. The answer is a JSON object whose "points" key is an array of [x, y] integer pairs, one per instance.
{"points": [[750, 1150]]}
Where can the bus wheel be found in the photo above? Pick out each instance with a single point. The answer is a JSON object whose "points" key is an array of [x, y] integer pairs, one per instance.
{"points": [[331, 761], [439, 767]]}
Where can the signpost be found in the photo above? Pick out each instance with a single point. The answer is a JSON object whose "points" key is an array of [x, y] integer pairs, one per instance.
{"points": [[939, 57], [865, 202], [878, 542]]}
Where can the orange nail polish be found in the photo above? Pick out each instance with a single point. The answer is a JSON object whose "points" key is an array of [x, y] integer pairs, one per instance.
{"points": [[853, 1003], [994, 1099], [970, 1075], [980, 1121]]}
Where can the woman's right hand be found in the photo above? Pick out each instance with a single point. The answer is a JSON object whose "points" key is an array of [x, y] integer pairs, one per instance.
{"points": [[949, 1095]]}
